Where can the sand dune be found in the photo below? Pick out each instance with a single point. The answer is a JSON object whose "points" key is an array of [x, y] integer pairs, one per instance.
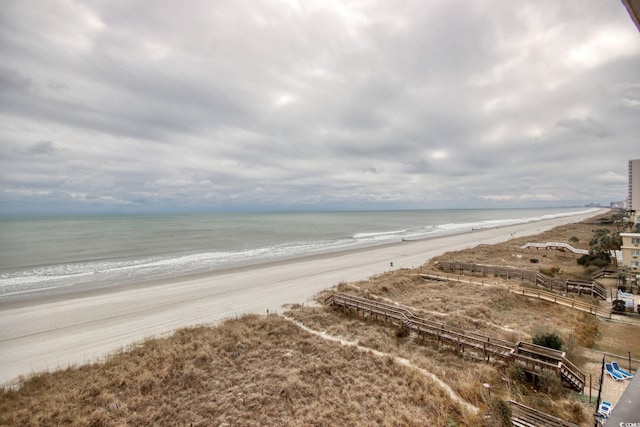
{"points": [[53, 331]]}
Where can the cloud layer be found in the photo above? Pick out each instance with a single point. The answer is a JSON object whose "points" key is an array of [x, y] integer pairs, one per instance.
{"points": [[127, 105]]}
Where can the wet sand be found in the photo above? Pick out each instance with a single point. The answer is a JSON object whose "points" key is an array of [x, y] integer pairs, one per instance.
{"points": [[54, 330]]}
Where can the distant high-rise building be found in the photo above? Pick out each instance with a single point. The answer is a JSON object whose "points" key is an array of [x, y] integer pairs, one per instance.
{"points": [[634, 185]]}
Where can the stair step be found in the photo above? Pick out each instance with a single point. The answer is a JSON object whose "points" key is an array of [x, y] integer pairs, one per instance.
{"points": [[519, 422]]}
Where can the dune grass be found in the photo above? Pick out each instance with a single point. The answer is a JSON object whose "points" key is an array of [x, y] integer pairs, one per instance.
{"points": [[257, 370]]}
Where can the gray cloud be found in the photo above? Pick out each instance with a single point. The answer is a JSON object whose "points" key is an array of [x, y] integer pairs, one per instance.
{"points": [[225, 105], [39, 148]]}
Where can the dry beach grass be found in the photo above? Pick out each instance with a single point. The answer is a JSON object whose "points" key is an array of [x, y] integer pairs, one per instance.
{"points": [[267, 370], [257, 370]]}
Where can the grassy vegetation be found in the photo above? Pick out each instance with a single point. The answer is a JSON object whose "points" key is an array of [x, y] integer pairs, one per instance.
{"points": [[265, 370], [251, 371]]}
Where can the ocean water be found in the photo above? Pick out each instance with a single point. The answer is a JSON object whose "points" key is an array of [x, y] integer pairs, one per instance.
{"points": [[52, 252]]}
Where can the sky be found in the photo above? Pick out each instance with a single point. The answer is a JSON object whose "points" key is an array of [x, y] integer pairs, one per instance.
{"points": [[137, 106]]}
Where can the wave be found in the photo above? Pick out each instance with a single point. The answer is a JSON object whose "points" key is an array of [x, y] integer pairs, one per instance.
{"points": [[378, 234], [129, 270], [495, 223]]}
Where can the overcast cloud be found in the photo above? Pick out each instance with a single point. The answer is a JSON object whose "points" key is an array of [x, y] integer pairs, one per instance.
{"points": [[208, 105]]}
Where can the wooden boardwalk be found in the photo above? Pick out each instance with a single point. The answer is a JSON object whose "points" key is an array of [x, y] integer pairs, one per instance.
{"points": [[581, 287], [524, 416], [591, 308], [530, 357], [561, 246]]}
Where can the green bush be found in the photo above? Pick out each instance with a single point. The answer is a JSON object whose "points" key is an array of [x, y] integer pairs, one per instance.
{"points": [[534, 260], [517, 373], [549, 340], [552, 271], [501, 413], [549, 383], [574, 239]]}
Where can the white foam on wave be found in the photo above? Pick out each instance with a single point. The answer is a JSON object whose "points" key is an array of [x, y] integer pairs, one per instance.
{"points": [[118, 271], [378, 234], [495, 223]]}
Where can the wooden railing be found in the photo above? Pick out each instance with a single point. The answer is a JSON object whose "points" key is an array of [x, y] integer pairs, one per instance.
{"points": [[524, 416], [591, 308], [565, 301], [552, 361], [581, 287], [556, 245], [532, 358], [603, 272]]}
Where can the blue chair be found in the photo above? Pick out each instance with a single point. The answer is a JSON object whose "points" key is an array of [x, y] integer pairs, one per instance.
{"points": [[614, 374], [621, 371], [605, 409]]}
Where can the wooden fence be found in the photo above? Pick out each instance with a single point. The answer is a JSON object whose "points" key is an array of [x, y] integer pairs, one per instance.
{"points": [[532, 358], [581, 287]]}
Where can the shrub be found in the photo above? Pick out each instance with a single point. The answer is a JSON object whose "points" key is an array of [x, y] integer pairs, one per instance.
{"points": [[552, 271], [549, 340], [517, 373], [574, 239], [402, 333], [500, 412], [534, 260], [549, 383]]}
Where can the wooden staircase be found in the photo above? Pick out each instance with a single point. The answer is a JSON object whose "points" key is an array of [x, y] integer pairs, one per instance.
{"points": [[524, 416], [530, 357]]}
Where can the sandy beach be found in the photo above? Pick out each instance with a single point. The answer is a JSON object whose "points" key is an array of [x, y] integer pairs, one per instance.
{"points": [[54, 331]]}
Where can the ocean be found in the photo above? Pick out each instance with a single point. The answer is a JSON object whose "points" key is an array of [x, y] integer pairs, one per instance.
{"points": [[53, 252]]}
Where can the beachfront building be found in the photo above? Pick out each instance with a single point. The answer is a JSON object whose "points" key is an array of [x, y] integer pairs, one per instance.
{"points": [[631, 251], [634, 186]]}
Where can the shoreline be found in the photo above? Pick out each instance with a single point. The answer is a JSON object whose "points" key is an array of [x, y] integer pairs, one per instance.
{"points": [[58, 329], [121, 267], [30, 297]]}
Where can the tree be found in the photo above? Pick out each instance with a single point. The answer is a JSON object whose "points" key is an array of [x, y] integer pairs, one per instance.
{"points": [[601, 245], [603, 240], [599, 260]]}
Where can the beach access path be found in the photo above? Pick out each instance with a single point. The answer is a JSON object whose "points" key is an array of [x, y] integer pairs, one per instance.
{"points": [[53, 331]]}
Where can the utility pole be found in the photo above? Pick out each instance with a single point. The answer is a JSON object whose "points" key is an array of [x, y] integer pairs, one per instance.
{"points": [[597, 415]]}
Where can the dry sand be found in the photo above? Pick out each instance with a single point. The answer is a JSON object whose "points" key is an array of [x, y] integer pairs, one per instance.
{"points": [[52, 332]]}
